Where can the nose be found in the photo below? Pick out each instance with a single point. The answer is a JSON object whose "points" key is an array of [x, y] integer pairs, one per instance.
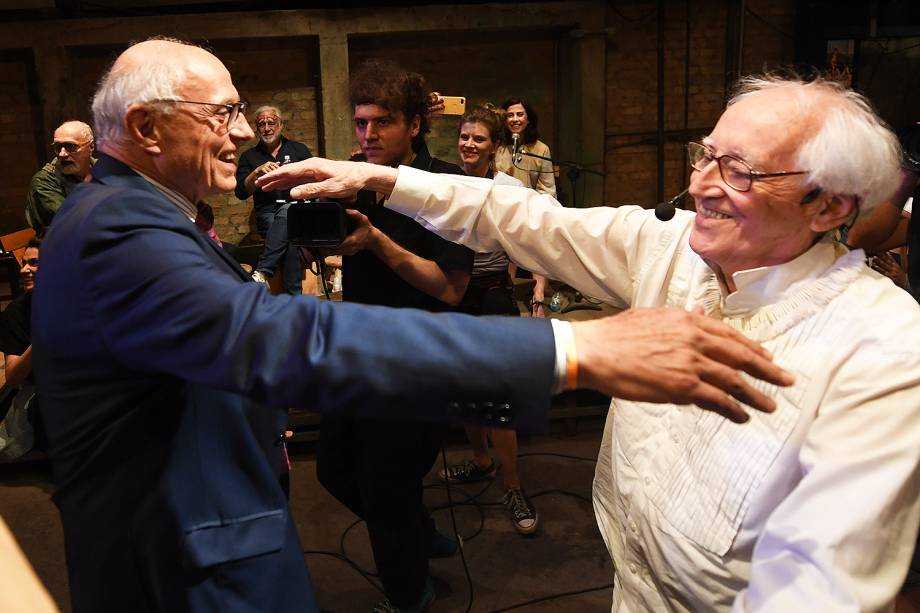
{"points": [[241, 130], [370, 131], [707, 182]]}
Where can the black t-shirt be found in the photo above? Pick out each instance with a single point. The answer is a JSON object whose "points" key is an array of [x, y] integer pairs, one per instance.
{"points": [[368, 280], [290, 151], [16, 326]]}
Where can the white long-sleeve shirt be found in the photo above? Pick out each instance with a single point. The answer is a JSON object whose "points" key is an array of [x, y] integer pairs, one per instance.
{"points": [[814, 507]]}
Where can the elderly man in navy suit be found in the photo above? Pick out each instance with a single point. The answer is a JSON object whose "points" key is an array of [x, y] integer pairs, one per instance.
{"points": [[164, 389]]}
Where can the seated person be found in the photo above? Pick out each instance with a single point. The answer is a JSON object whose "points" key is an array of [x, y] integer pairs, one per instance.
{"points": [[18, 431]]}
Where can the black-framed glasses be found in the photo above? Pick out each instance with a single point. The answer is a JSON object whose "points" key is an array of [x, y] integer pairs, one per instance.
{"points": [[232, 110], [68, 147], [267, 123], [736, 173], [33, 262]]}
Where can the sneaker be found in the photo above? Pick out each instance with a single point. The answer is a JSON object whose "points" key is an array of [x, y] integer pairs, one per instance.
{"points": [[443, 545], [523, 513], [258, 277], [467, 472], [424, 602]]}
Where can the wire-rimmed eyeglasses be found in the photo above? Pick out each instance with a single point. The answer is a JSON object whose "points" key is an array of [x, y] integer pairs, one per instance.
{"points": [[231, 110], [736, 173]]}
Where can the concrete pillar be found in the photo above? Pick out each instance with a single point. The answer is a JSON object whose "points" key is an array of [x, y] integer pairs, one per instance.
{"points": [[337, 132]]}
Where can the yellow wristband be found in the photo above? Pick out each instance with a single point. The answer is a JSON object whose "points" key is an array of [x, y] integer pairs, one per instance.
{"points": [[571, 365]]}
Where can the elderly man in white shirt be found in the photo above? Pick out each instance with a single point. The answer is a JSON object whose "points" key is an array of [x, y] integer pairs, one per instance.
{"points": [[813, 507]]}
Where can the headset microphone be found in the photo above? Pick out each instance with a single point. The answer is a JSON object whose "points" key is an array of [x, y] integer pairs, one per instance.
{"points": [[665, 210]]}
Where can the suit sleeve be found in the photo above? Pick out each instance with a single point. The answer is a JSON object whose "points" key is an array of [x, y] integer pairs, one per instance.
{"points": [[169, 307]]}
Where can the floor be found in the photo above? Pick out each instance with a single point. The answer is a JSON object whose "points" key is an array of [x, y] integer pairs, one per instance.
{"points": [[506, 569]]}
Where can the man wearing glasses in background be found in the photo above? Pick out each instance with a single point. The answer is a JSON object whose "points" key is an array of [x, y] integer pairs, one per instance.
{"points": [[813, 507], [272, 151], [73, 149]]}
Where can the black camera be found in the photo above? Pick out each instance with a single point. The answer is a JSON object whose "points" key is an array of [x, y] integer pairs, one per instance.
{"points": [[318, 223], [910, 144]]}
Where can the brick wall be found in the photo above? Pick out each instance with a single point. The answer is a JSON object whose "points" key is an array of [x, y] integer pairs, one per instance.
{"points": [[632, 86], [482, 66], [21, 151], [281, 72]]}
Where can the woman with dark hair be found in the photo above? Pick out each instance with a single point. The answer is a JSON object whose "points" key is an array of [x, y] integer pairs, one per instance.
{"points": [[19, 428], [521, 119], [490, 293]]}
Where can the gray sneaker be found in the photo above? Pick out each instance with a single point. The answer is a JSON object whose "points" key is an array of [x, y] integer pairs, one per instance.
{"points": [[467, 472], [523, 513]]}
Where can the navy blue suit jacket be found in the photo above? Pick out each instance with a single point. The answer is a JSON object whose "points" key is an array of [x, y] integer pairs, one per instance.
{"points": [[164, 377]]}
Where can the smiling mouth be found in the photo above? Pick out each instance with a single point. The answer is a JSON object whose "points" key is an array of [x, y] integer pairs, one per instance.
{"points": [[229, 158], [710, 214]]}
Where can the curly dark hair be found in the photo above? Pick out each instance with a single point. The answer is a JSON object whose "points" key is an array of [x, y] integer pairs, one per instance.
{"points": [[392, 87], [488, 115], [531, 131]]}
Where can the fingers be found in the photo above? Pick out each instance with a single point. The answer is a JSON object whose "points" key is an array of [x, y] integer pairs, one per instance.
{"points": [[730, 383], [712, 398], [736, 351]]}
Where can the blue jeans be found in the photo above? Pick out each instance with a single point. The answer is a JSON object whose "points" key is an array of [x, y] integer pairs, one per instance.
{"points": [[273, 226]]}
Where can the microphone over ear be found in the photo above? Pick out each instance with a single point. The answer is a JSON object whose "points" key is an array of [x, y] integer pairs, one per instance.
{"points": [[665, 210]]}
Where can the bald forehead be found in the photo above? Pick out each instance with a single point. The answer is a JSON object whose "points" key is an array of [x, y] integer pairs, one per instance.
{"points": [[196, 64], [73, 131]]}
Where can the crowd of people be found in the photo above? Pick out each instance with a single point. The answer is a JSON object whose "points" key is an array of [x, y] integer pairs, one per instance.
{"points": [[762, 448]]}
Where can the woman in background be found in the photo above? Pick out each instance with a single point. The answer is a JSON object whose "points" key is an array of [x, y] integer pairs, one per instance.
{"points": [[490, 293], [521, 119]]}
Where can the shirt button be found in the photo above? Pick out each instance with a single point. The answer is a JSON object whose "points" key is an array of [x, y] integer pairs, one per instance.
{"points": [[633, 527], [648, 481], [633, 569]]}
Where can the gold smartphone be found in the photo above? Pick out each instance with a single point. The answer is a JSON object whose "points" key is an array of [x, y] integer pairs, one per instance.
{"points": [[453, 105]]}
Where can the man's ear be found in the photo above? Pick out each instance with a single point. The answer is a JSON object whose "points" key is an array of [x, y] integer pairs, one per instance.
{"points": [[416, 126], [141, 128], [832, 212]]}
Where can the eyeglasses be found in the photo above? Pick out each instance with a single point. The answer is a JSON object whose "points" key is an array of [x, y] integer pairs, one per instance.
{"points": [[33, 262], [231, 110], [267, 123], [68, 147], [736, 173]]}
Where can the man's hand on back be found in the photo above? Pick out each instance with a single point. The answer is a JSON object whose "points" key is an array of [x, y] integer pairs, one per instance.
{"points": [[672, 355]]}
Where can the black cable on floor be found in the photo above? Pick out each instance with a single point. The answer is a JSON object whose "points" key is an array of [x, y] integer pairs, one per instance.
{"points": [[519, 605], [453, 521]]}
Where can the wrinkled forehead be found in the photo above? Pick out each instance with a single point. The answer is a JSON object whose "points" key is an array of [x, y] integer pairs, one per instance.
{"points": [[765, 128], [69, 133], [268, 115]]}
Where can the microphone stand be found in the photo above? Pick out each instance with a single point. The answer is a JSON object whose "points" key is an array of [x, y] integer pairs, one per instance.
{"points": [[573, 172]]}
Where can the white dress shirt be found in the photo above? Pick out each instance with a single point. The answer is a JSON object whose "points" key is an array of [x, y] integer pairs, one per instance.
{"points": [[814, 507]]}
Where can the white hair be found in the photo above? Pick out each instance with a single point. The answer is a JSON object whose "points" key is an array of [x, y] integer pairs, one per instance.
{"points": [[853, 153], [267, 108], [124, 86]]}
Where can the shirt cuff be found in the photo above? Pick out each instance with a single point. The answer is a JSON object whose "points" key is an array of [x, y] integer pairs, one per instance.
{"points": [[563, 337]]}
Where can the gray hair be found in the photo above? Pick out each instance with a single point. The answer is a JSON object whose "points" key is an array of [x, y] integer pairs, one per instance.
{"points": [[853, 153], [267, 108], [122, 87]]}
